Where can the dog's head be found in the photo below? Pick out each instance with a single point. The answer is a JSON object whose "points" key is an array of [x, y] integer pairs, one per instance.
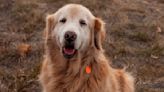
{"points": [[74, 29]]}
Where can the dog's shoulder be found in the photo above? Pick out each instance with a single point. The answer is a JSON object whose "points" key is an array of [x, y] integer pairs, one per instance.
{"points": [[125, 80]]}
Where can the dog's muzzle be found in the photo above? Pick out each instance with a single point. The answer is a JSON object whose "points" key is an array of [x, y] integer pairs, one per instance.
{"points": [[69, 44]]}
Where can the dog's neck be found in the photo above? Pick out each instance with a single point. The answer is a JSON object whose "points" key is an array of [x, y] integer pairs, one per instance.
{"points": [[73, 72], [74, 65]]}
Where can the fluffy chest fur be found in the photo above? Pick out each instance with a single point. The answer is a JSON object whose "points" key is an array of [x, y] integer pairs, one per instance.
{"points": [[71, 77]]}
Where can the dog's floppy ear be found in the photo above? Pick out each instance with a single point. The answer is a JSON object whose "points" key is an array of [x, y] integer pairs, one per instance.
{"points": [[50, 24], [99, 33]]}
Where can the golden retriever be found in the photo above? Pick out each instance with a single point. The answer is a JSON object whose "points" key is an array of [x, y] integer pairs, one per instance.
{"points": [[74, 59]]}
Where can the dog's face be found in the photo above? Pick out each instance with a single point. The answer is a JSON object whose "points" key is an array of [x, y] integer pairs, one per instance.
{"points": [[74, 29]]}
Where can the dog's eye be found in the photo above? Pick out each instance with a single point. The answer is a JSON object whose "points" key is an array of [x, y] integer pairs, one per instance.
{"points": [[63, 20], [82, 22]]}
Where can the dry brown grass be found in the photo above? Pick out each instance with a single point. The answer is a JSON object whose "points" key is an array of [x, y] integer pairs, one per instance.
{"points": [[135, 39]]}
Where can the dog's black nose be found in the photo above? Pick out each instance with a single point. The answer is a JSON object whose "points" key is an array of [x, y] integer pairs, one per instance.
{"points": [[70, 36]]}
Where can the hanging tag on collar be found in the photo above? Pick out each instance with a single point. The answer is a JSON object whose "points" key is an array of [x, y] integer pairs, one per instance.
{"points": [[88, 69]]}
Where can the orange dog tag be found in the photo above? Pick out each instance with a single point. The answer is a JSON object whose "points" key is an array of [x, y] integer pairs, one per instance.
{"points": [[88, 69]]}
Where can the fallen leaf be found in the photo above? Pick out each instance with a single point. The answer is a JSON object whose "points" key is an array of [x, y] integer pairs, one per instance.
{"points": [[154, 57], [23, 49], [159, 29]]}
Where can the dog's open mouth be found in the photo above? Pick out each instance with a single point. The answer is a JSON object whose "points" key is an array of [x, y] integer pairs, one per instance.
{"points": [[69, 51]]}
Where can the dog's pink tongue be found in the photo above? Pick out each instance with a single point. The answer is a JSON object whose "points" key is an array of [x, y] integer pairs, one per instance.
{"points": [[69, 51]]}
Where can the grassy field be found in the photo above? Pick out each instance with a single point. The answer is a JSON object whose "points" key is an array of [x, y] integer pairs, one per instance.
{"points": [[135, 39]]}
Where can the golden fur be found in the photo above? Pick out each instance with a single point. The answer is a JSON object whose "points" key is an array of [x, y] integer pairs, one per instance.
{"points": [[61, 75]]}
